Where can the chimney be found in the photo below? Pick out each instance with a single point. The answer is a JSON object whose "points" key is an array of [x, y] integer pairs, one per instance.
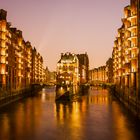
{"points": [[62, 54], [3, 14]]}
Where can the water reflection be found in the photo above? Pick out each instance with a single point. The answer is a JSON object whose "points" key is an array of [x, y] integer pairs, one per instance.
{"points": [[95, 117], [69, 119], [80, 118], [123, 129]]}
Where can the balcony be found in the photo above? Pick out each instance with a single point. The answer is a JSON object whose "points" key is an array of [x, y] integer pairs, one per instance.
{"points": [[127, 60], [132, 27], [19, 66], [134, 56], [3, 60], [127, 54], [133, 46], [131, 16], [126, 66], [2, 71], [3, 52], [132, 36]]}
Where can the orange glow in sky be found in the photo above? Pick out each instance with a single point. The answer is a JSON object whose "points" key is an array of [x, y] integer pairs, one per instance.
{"points": [[78, 26]]}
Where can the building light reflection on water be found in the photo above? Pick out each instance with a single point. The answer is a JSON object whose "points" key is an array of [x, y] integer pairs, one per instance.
{"points": [[74, 109], [94, 116], [121, 124], [5, 123], [43, 97]]}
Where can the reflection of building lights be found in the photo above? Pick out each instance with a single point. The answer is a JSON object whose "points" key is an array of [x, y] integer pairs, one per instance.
{"points": [[43, 96]]}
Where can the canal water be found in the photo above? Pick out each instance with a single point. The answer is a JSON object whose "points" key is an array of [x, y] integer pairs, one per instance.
{"points": [[96, 116]]}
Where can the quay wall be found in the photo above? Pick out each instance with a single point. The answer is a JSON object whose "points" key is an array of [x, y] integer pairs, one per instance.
{"points": [[7, 97], [131, 102]]}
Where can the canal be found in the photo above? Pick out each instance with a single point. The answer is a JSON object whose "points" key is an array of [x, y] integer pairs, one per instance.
{"points": [[96, 116]]}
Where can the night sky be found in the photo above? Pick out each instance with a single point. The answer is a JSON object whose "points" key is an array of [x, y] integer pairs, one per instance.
{"points": [[77, 26]]}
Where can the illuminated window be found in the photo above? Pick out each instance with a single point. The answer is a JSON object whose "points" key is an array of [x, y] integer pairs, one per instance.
{"points": [[4, 28], [2, 51], [2, 59], [2, 69]]}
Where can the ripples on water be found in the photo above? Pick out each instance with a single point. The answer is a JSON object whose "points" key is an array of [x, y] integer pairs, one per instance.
{"points": [[97, 116]]}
